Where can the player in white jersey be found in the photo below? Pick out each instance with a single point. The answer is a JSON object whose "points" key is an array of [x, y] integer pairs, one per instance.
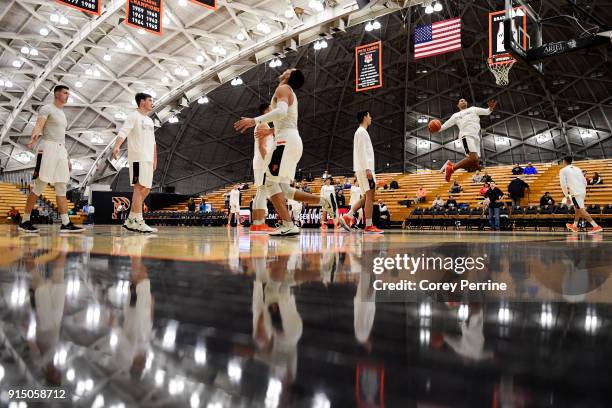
{"points": [[234, 210], [139, 130], [574, 187], [263, 148], [52, 163], [327, 189], [288, 151], [364, 166], [468, 122]]}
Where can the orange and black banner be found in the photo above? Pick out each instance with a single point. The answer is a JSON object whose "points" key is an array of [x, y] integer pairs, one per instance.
{"points": [[145, 14], [211, 4], [88, 6], [368, 66]]}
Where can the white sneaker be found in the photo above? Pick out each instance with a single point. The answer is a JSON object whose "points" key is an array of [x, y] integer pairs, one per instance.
{"points": [[329, 206], [130, 225], [284, 231]]}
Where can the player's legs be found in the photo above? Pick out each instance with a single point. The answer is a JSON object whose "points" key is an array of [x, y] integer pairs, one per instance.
{"points": [[470, 163], [37, 188]]}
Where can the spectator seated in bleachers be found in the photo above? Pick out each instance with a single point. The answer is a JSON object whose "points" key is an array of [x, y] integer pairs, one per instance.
{"points": [[596, 179], [394, 185], [191, 205], [340, 199], [486, 178], [484, 189], [405, 202], [530, 170], [586, 176], [438, 202], [202, 207], [546, 199], [451, 202], [385, 216], [517, 170], [516, 190], [455, 188], [347, 183], [421, 195], [477, 177]]}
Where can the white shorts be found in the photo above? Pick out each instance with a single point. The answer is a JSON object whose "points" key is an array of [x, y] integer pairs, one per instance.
{"points": [[52, 163], [470, 144], [260, 176], [141, 173], [578, 201], [365, 184], [285, 157], [234, 208]]}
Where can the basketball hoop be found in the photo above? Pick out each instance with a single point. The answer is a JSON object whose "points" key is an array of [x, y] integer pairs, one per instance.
{"points": [[501, 70]]}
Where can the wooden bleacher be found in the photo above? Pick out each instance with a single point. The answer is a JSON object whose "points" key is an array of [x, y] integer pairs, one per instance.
{"points": [[10, 196]]}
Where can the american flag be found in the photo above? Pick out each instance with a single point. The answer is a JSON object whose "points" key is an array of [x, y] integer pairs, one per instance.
{"points": [[437, 38]]}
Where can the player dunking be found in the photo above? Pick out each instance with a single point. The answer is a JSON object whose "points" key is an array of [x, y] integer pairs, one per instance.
{"points": [[288, 151], [468, 122], [363, 164], [139, 130], [261, 158], [574, 186], [52, 163]]}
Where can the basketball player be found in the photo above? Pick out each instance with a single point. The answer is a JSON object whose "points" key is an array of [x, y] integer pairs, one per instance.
{"points": [[52, 163], [354, 198], [327, 189], [468, 122], [288, 151], [234, 207], [261, 158], [139, 130], [363, 164], [574, 186]]}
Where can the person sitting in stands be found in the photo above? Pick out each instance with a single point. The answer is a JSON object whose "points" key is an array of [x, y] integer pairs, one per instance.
{"points": [[484, 189], [546, 200], [477, 177], [306, 188], [202, 206], [421, 195], [530, 170], [405, 202], [340, 199], [438, 202], [455, 188], [517, 170], [191, 205], [451, 202], [347, 183], [596, 179], [394, 185], [586, 176], [385, 216], [486, 178], [516, 190]]}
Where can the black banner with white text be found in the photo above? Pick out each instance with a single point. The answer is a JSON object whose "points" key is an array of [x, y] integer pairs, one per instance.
{"points": [[368, 66], [88, 6], [145, 14]]}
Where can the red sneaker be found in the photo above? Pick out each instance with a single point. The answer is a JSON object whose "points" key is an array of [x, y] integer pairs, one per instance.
{"points": [[571, 227], [449, 171], [260, 229], [323, 227], [347, 222], [372, 230], [596, 229]]}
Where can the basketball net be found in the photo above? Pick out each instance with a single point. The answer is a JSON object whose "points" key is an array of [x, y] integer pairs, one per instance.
{"points": [[501, 70]]}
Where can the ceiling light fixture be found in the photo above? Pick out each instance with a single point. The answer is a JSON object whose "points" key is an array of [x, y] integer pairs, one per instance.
{"points": [[240, 37], [203, 100], [316, 5], [438, 6], [17, 63], [54, 17], [107, 57], [44, 31], [263, 27], [429, 9]]}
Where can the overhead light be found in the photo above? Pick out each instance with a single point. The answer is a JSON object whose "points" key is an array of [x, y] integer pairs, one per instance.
{"points": [[203, 100], [240, 36], [237, 81], [437, 6], [141, 31], [63, 20], [500, 140], [423, 144], [76, 165], [8, 83], [289, 13], [173, 119], [54, 17], [107, 57], [78, 84], [128, 46], [263, 27], [151, 92], [219, 50], [429, 9], [33, 52], [422, 119], [121, 44], [96, 73], [24, 157], [120, 116], [376, 24], [70, 99], [165, 80], [25, 50], [199, 58], [275, 63], [318, 45], [369, 27], [182, 3], [316, 5], [17, 63], [44, 31], [96, 139], [89, 71]]}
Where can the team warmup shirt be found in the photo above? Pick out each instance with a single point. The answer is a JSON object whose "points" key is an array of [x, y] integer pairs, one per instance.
{"points": [[572, 181], [467, 120], [235, 197], [363, 152], [355, 194], [55, 126], [139, 131]]}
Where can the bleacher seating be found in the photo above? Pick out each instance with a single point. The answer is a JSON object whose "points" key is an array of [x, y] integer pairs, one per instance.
{"points": [[11, 195]]}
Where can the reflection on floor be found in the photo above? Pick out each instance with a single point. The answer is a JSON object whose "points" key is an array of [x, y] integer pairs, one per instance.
{"points": [[211, 317]]}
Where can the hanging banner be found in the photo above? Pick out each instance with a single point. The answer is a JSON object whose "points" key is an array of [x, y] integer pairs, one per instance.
{"points": [[145, 14], [368, 66], [210, 4], [88, 6], [498, 52]]}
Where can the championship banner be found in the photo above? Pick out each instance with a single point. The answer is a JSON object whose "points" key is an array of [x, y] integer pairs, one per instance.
{"points": [[145, 14], [210, 4], [368, 67], [88, 6]]}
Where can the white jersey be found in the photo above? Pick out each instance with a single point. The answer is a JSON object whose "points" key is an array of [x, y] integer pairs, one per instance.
{"points": [[290, 120], [572, 181], [467, 120], [363, 151], [235, 197], [260, 162], [355, 195], [327, 190], [55, 125], [139, 131]]}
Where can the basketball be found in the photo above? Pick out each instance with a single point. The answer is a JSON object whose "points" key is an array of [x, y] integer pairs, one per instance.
{"points": [[435, 126]]}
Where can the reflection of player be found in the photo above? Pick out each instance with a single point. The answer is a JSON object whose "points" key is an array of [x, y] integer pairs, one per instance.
{"points": [[471, 342], [261, 159], [234, 212], [574, 186]]}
